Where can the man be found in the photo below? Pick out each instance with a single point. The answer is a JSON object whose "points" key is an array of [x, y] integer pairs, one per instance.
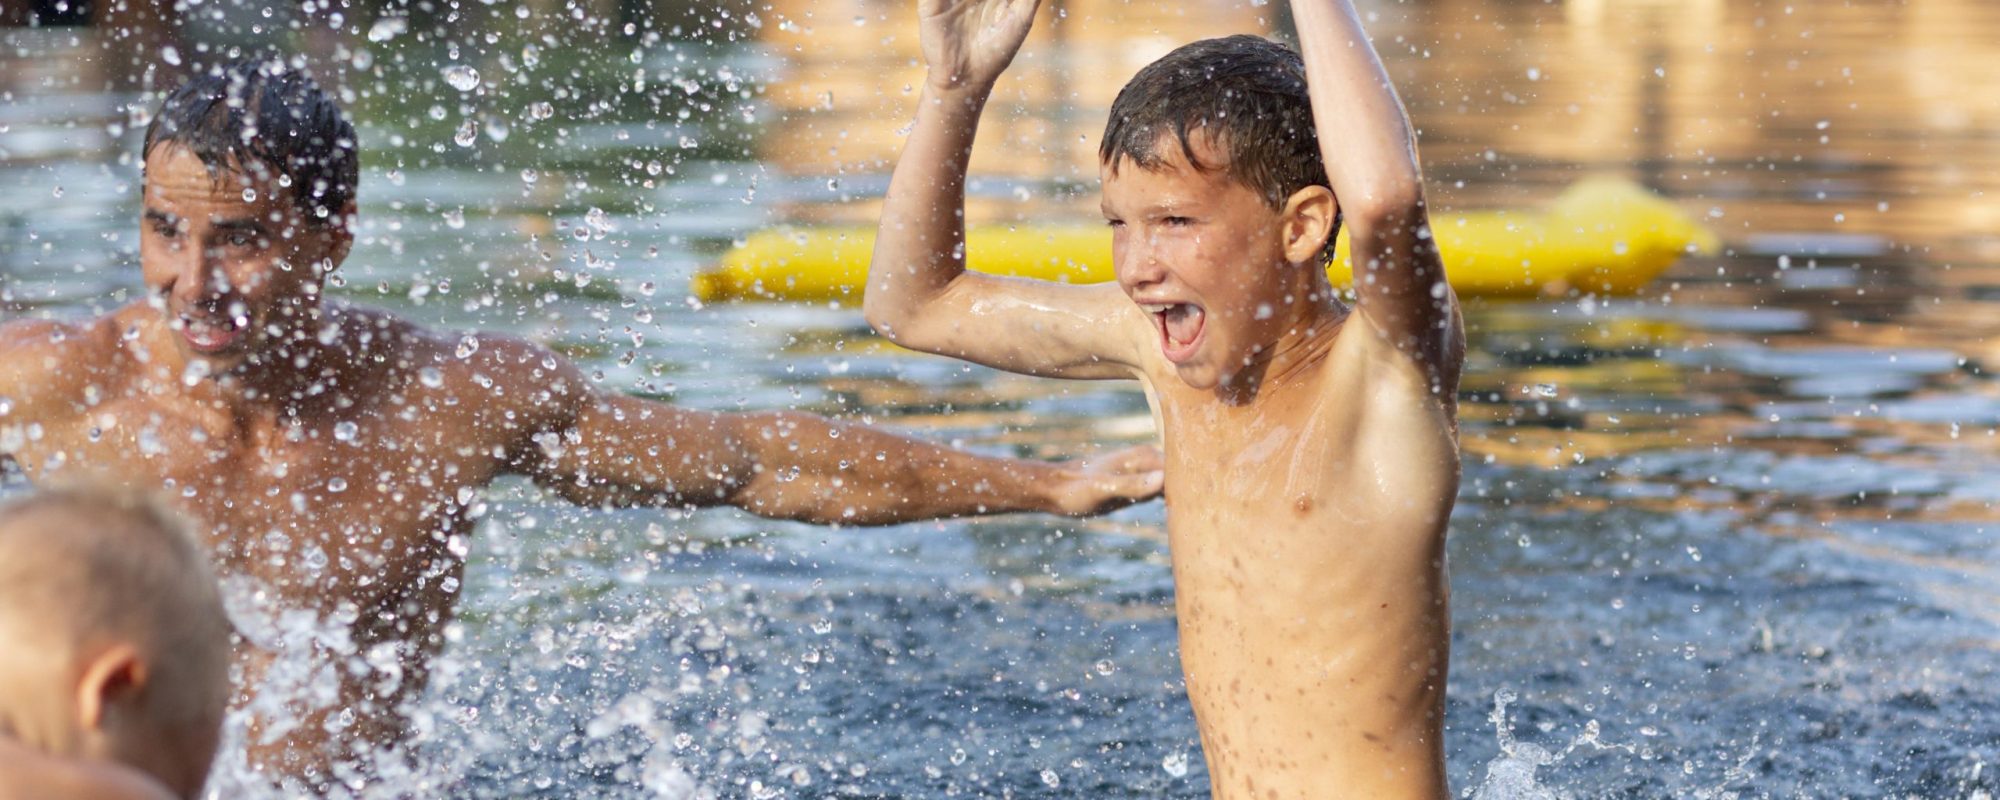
{"points": [[331, 452], [1312, 448]]}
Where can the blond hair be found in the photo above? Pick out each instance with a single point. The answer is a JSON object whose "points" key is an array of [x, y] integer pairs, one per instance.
{"points": [[87, 564]]}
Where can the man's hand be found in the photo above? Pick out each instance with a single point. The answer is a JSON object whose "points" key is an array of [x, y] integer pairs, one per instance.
{"points": [[1110, 481], [968, 43]]}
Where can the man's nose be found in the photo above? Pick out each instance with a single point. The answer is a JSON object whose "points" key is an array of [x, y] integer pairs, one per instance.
{"points": [[201, 278]]}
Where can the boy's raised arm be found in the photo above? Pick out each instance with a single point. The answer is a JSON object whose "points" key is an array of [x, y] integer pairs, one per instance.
{"points": [[919, 293], [1371, 158]]}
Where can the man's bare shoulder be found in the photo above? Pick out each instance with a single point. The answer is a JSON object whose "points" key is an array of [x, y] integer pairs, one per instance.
{"points": [[46, 361], [27, 775], [480, 370]]}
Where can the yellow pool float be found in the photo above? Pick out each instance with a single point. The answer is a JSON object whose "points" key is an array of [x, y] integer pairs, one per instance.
{"points": [[1601, 235]]}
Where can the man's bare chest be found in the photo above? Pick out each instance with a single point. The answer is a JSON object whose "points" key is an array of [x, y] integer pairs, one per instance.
{"points": [[339, 503]]}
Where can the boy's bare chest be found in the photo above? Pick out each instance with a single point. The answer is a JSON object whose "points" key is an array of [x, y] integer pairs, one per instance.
{"points": [[1281, 502]]}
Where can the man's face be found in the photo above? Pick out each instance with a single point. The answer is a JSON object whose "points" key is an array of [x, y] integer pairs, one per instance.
{"points": [[1202, 254], [233, 262]]}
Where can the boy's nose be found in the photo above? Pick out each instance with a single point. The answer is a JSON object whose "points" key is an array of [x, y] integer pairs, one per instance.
{"points": [[1137, 263]]}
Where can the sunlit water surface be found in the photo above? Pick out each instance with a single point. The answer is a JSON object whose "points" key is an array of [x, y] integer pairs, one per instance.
{"points": [[1733, 537]]}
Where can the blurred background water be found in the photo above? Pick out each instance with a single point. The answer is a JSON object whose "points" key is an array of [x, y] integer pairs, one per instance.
{"points": [[1731, 538]]}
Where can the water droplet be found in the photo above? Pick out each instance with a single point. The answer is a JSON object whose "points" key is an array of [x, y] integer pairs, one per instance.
{"points": [[957, 756], [387, 28], [467, 134], [467, 346], [336, 485], [1105, 667], [170, 55], [454, 218], [345, 431], [1050, 777], [541, 111], [461, 77], [1175, 764], [431, 377], [249, 195]]}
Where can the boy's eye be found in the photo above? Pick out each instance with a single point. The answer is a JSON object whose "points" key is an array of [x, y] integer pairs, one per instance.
{"points": [[1115, 223], [241, 239], [1178, 221]]}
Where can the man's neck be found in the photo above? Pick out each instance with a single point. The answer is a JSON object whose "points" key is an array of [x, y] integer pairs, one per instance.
{"points": [[288, 379]]}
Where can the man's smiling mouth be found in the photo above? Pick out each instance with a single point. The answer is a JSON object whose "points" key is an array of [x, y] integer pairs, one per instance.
{"points": [[208, 335]]}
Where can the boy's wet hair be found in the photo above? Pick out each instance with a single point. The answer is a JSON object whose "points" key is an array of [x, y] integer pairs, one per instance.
{"points": [[1246, 93], [263, 116]]}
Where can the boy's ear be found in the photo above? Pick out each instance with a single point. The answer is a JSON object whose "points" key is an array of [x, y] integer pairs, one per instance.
{"points": [[115, 676], [1309, 216]]}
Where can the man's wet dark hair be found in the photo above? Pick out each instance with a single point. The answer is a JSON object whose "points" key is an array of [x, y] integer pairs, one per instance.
{"points": [[258, 115], [1245, 92]]}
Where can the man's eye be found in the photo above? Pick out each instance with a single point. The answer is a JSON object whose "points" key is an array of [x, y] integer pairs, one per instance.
{"points": [[1115, 223], [241, 239], [1178, 221]]}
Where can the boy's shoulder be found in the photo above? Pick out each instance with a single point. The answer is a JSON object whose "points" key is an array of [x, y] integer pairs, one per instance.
{"points": [[29, 775]]}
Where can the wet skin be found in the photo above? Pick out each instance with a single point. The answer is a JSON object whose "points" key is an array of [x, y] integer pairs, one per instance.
{"points": [[1312, 456], [29, 775], [334, 456]]}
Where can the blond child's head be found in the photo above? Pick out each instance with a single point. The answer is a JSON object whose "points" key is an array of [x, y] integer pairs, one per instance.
{"points": [[113, 641]]}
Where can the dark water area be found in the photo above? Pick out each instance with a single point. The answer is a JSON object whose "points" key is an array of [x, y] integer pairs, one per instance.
{"points": [[1733, 537]]}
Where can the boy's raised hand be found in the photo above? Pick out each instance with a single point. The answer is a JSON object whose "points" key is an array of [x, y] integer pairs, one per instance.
{"points": [[968, 43]]}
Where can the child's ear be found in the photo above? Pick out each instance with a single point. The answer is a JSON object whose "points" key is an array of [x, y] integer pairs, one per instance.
{"points": [[1309, 217], [115, 677]]}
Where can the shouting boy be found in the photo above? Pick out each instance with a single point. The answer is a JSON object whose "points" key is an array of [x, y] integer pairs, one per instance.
{"points": [[1312, 455], [114, 650]]}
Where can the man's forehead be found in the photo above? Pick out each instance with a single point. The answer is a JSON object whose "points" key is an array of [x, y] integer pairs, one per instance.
{"points": [[175, 175]]}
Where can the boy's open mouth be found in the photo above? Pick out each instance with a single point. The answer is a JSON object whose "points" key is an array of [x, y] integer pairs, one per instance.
{"points": [[1180, 326], [211, 335]]}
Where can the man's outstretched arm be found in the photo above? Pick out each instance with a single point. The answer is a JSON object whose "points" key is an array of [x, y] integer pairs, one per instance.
{"points": [[1371, 159], [607, 449], [919, 293]]}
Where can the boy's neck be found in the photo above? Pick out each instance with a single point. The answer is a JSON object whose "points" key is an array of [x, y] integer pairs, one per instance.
{"points": [[1302, 344]]}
